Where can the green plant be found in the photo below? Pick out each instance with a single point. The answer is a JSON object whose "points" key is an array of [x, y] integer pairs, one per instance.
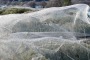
{"points": [[14, 11]]}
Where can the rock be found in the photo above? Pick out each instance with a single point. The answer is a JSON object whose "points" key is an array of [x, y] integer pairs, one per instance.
{"points": [[52, 38], [56, 19]]}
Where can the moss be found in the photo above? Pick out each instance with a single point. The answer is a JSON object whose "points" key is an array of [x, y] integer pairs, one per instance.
{"points": [[67, 2], [14, 11]]}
